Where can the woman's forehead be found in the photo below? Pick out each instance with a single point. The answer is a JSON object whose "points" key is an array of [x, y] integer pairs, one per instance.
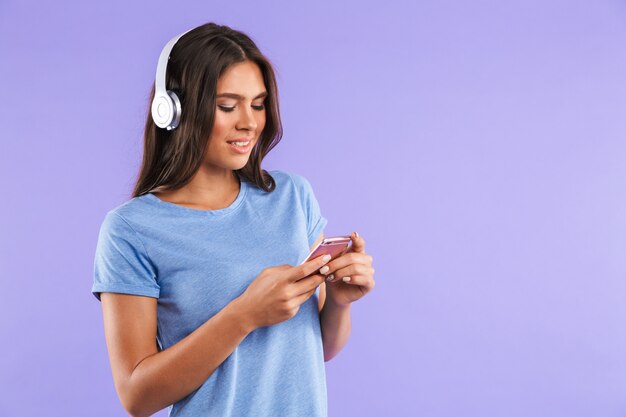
{"points": [[243, 79]]}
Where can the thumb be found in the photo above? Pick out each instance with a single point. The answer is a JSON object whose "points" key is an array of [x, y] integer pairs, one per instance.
{"points": [[358, 243]]}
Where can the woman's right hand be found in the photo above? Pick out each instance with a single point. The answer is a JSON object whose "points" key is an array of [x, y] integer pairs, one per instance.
{"points": [[277, 292]]}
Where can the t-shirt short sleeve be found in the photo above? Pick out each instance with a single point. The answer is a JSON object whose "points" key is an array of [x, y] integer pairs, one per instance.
{"points": [[315, 221], [121, 263]]}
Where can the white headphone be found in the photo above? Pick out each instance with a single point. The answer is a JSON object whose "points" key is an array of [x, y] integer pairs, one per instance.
{"points": [[166, 109]]}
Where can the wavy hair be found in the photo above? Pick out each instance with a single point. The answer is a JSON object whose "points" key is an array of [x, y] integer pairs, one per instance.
{"points": [[199, 58]]}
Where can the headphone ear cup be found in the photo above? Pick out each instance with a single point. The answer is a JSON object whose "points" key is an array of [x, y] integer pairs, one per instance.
{"points": [[162, 109], [166, 110], [177, 110]]}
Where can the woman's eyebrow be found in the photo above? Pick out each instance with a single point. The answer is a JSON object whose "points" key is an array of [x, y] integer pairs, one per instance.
{"points": [[237, 96]]}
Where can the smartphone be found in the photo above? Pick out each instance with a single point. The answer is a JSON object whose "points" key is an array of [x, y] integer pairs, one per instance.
{"points": [[333, 246]]}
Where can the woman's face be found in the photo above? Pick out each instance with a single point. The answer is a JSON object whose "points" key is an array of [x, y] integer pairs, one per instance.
{"points": [[239, 116]]}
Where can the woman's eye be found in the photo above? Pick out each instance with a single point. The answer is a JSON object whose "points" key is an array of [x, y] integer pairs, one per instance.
{"points": [[229, 109]]}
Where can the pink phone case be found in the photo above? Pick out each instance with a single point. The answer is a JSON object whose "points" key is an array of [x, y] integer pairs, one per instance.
{"points": [[334, 246]]}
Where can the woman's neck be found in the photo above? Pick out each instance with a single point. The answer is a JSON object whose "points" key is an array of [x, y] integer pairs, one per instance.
{"points": [[205, 191]]}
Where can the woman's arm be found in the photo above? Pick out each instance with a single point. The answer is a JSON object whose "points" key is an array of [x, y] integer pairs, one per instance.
{"points": [[147, 380], [334, 321], [336, 325]]}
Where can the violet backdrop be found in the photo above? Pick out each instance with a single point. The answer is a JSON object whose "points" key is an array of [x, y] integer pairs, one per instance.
{"points": [[479, 147]]}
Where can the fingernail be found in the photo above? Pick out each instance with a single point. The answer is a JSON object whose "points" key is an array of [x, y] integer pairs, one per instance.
{"points": [[356, 235], [324, 269], [346, 279], [326, 258], [330, 277]]}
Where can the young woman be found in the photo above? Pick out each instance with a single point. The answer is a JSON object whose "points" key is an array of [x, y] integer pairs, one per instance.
{"points": [[206, 306]]}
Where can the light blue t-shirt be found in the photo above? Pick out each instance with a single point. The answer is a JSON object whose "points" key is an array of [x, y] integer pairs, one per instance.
{"points": [[195, 262]]}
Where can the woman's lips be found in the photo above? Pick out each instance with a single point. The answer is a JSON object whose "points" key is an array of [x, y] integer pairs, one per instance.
{"points": [[240, 149]]}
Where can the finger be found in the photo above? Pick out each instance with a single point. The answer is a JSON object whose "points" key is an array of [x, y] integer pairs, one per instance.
{"points": [[308, 284], [305, 296], [358, 243], [351, 270], [308, 268], [348, 259], [366, 282]]}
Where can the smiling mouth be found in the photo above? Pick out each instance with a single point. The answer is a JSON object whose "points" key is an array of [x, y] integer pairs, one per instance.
{"points": [[240, 143]]}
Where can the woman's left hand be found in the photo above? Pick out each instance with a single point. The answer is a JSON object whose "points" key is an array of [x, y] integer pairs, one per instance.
{"points": [[352, 274]]}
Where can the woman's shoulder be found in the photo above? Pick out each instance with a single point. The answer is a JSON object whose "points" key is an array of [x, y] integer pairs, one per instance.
{"points": [[294, 183], [285, 178], [128, 212]]}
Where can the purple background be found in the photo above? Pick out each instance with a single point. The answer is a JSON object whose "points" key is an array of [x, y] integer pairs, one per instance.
{"points": [[479, 147]]}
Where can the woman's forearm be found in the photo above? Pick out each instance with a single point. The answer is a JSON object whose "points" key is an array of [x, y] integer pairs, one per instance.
{"points": [[336, 325], [170, 375]]}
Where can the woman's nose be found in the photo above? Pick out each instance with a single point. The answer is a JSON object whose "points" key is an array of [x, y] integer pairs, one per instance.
{"points": [[247, 120]]}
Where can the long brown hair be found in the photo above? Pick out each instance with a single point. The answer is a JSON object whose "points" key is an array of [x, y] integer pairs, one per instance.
{"points": [[199, 58]]}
